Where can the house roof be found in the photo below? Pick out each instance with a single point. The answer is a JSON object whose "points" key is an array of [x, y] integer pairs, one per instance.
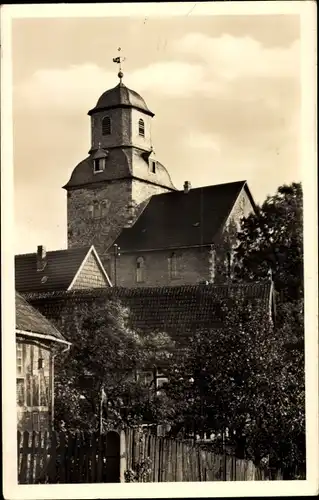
{"points": [[29, 320], [174, 310], [58, 274], [178, 219]]}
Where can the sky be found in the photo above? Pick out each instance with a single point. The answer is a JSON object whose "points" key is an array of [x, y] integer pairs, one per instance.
{"points": [[225, 91]]}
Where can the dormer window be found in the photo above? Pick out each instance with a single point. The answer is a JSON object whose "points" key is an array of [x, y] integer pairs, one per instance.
{"points": [[106, 125], [141, 128], [153, 166], [99, 165]]}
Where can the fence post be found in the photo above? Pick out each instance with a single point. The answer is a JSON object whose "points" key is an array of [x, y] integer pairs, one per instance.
{"points": [[112, 455], [122, 456]]}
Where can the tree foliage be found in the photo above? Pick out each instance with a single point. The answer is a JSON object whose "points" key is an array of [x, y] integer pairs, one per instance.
{"points": [[272, 239], [242, 379], [246, 377], [104, 366]]}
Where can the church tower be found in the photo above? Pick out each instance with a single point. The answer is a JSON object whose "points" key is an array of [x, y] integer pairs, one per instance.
{"points": [[109, 189]]}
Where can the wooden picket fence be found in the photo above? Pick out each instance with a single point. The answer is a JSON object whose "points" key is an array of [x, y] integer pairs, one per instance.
{"points": [[114, 456], [173, 460], [68, 458]]}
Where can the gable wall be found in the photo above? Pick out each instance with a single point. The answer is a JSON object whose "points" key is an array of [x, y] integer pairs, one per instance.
{"points": [[91, 275], [242, 208]]}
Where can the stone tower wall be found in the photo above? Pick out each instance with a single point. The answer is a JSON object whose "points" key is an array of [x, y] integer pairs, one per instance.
{"points": [[86, 230], [123, 199]]}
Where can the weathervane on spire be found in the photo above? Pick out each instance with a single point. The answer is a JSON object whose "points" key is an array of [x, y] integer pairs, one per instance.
{"points": [[119, 60]]}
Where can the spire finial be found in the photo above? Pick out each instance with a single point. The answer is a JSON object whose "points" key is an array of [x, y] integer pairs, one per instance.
{"points": [[119, 60]]}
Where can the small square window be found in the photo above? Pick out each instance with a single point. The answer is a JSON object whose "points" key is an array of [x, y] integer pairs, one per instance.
{"points": [[99, 165]]}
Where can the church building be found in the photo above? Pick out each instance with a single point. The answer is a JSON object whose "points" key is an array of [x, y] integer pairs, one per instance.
{"points": [[121, 199]]}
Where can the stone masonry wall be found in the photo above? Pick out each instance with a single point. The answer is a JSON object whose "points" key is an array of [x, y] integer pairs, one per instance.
{"points": [[142, 191], [242, 208], [90, 276], [192, 266], [84, 229], [228, 239], [123, 199]]}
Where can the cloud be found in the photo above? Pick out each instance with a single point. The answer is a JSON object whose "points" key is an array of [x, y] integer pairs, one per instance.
{"points": [[203, 141], [78, 86], [172, 78], [231, 57], [62, 89], [212, 67]]}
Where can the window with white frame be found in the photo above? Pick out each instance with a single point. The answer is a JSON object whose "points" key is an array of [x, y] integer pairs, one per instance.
{"points": [[173, 266], [228, 264], [160, 381], [140, 270], [99, 165], [20, 374], [19, 356]]}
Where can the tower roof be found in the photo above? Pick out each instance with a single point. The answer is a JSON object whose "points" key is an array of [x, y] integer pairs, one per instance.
{"points": [[120, 96], [121, 163]]}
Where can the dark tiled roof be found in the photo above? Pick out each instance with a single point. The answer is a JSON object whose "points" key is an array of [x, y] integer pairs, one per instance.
{"points": [[121, 96], [30, 320], [176, 219], [174, 310], [60, 270]]}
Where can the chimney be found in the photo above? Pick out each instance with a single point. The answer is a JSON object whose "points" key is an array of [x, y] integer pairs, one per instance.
{"points": [[187, 187], [41, 258]]}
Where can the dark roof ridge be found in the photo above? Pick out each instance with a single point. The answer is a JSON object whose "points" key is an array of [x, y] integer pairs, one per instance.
{"points": [[88, 247], [171, 290], [198, 188]]}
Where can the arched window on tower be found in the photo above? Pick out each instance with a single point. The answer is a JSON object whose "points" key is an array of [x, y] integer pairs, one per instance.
{"points": [[141, 128], [106, 125], [172, 266], [140, 270]]}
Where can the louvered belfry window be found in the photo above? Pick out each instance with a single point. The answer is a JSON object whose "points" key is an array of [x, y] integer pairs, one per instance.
{"points": [[106, 125], [141, 127]]}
